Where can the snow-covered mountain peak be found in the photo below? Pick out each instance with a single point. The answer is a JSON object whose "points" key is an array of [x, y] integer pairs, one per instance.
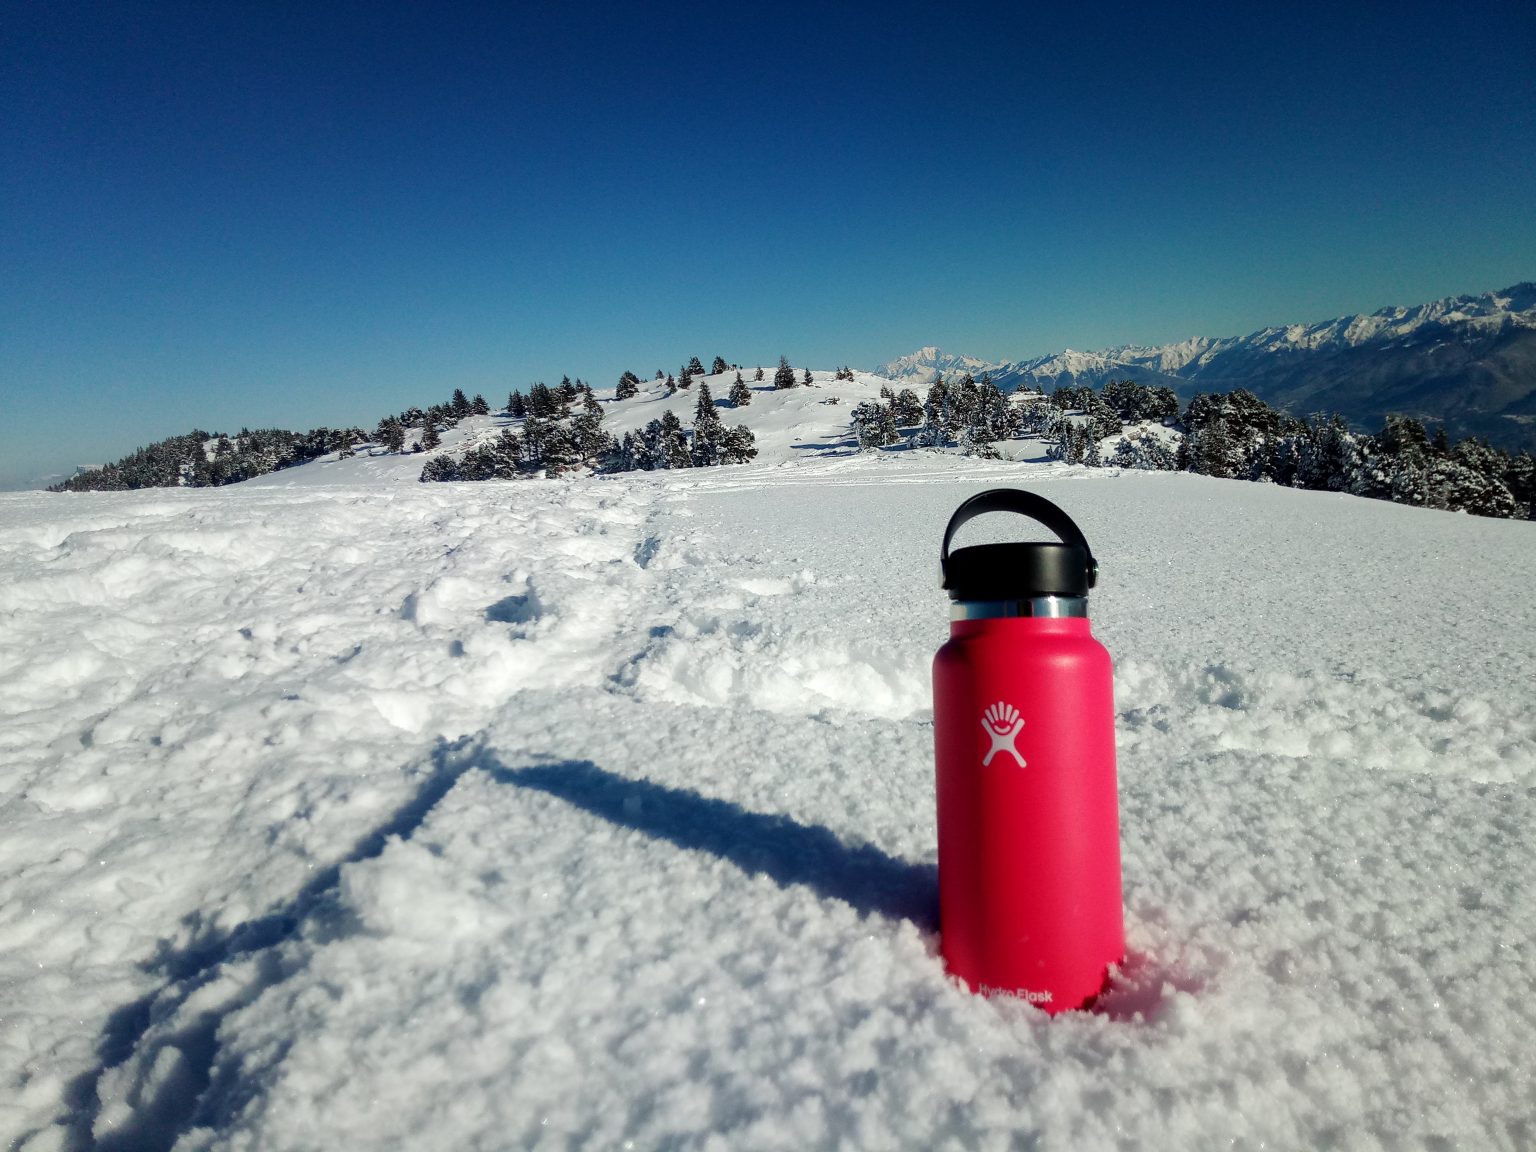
{"points": [[928, 363]]}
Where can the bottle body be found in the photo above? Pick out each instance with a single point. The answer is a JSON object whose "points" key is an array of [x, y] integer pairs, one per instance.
{"points": [[1028, 811]]}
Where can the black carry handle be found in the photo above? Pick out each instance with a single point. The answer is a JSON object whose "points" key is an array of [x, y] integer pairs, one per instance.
{"points": [[1037, 508]]}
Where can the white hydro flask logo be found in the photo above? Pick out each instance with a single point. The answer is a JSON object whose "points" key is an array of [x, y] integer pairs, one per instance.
{"points": [[1003, 724]]}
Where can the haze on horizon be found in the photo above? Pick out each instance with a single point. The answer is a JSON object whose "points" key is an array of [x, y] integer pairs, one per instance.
{"points": [[254, 215]]}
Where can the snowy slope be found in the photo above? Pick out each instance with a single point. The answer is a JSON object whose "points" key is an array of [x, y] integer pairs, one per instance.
{"points": [[599, 813], [790, 424]]}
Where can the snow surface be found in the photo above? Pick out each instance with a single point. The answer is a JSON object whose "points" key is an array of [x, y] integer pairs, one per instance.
{"points": [[599, 813]]}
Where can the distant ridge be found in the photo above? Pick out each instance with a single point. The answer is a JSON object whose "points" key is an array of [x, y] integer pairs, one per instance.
{"points": [[1468, 362]]}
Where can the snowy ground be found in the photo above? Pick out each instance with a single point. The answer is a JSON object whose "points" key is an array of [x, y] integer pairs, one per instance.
{"points": [[599, 813]]}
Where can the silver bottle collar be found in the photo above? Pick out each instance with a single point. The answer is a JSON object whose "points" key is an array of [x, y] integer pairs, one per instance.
{"points": [[1049, 607]]}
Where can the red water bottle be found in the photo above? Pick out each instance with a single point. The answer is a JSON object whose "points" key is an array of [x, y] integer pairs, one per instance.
{"points": [[1024, 730]]}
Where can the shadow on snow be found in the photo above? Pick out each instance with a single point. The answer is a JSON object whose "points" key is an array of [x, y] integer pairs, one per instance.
{"points": [[167, 1103]]}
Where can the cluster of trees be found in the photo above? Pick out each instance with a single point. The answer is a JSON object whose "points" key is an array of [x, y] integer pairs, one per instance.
{"points": [[555, 441], [967, 414], [1233, 435], [1237, 435], [393, 431], [663, 444], [206, 460]]}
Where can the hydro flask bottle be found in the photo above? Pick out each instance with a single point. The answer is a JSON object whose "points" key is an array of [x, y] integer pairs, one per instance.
{"points": [[1024, 728]]}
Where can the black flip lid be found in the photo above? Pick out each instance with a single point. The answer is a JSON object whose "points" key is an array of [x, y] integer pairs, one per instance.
{"points": [[1017, 571]]}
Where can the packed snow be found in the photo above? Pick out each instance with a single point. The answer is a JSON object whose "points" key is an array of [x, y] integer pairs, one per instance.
{"points": [[342, 811]]}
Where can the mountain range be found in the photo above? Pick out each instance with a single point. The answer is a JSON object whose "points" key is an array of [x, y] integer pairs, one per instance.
{"points": [[1465, 362]]}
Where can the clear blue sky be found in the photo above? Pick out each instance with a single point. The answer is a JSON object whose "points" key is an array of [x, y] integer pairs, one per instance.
{"points": [[295, 214]]}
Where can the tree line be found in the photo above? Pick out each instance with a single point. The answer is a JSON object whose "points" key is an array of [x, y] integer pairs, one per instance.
{"points": [[554, 439], [1236, 435]]}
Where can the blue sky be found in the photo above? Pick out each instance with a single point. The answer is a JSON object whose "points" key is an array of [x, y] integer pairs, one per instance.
{"points": [[276, 213]]}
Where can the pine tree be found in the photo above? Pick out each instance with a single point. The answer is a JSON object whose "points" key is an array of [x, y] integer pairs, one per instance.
{"points": [[694, 367], [478, 406], [591, 442], [671, 385], [430, 438], [542, 402], [627, 456], [719, 367], [391, 435], [807, 381], [1145, 452], [560, 451], [874, 425], [685, 377], [629, 385], [442, 468], [459, 405], [1520, 479], [785, 376], [759, 377], [708, 444], [938, 416], [664, 444], [1330, 456], [906, 408], [740, 445], [740, 394], [517, 407]]}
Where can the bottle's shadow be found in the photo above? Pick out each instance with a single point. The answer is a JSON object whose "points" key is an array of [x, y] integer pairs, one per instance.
{"points": [[776, 846]]}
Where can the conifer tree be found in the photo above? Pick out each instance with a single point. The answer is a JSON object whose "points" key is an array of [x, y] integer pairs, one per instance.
{"points": [[629, 385], [759, 377], [694, 367], [542, 402], [517, 407], [906, 408], [561, 452], [591, 442], [478, 406], [627, 456], [874, 425], [740, 445], [740, 394], [938, 416], [708, 445], [719, 367], [664, 443], [459, 405], [430, 438], [536, 432], [785, 376], [685, 376], [807, 381], [391, 435]]}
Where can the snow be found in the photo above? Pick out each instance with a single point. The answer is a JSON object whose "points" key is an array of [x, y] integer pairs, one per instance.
{"points": [[340, 810]]}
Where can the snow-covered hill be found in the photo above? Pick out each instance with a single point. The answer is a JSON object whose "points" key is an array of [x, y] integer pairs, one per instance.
{"points": [[1467, 361], [791, 424], [598, 812]]}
